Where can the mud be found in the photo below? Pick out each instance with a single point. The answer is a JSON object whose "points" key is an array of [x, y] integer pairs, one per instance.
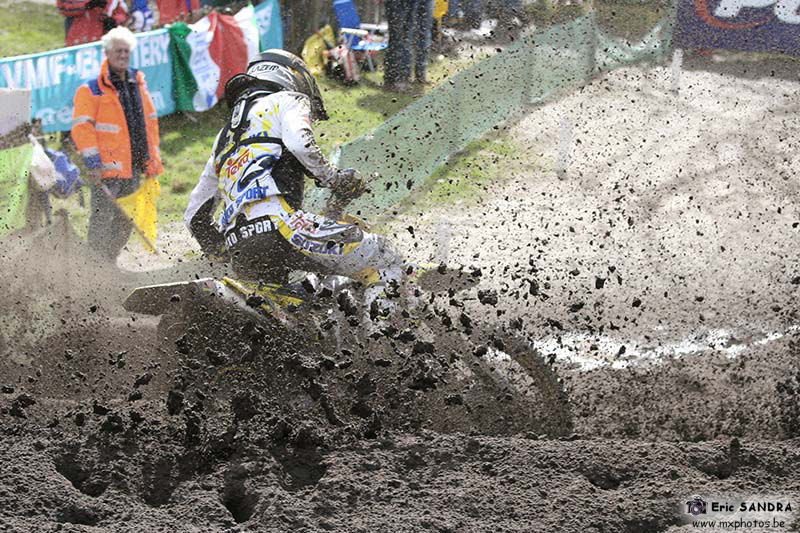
{"points": [[611, 363], [658, 272]]}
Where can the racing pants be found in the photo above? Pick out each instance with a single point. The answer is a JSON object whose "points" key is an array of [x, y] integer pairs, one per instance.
{"points": [[268, 248]]}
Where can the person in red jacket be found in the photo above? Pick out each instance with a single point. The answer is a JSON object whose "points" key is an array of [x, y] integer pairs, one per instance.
{"points": [[87, 20], [116, 131], [172, 10]]}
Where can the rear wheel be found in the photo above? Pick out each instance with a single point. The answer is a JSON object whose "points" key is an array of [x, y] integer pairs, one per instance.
{"points": [[525, 376], [505, 385], [425, 371], [171, 327]]}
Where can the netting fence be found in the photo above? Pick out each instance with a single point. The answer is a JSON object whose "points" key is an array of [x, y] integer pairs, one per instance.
{"points": [[543, 63]]}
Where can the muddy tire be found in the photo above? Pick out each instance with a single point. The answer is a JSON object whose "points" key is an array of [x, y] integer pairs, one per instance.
{"points": [[171, 327], [509, 386], [513, 363], [427, 372]]}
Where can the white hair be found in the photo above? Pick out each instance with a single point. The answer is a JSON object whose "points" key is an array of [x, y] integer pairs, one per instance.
{"points": [[120, 33]]}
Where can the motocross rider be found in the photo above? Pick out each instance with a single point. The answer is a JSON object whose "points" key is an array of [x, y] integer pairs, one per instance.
{"points": [[256, 169]]}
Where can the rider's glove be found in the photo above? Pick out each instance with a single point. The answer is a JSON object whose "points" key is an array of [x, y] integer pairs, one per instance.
{"points": [[348, 185]]}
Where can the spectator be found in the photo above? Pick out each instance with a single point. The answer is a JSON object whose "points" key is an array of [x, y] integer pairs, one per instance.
{"points": [[474, 12], [116, 131], [506, 11], [410, 23], [172, 10], [87, 20], [142, 18], [469, 12]]}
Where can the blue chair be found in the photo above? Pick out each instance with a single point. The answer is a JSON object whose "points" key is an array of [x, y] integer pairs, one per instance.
{"points": [[357, 36]]}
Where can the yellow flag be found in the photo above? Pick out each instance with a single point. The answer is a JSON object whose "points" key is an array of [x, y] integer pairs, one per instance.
{"points": [[439, 9], [313, 48], [141, 207]]}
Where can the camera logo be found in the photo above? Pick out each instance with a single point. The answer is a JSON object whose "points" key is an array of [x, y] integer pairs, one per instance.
{"points": [[696, 506]]}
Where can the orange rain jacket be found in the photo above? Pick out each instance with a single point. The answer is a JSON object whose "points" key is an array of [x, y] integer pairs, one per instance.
{"points": [[100, 130]]}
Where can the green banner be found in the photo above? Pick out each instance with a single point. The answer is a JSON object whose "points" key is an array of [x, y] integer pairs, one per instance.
{"points": [[15, 164], [410, 145]]}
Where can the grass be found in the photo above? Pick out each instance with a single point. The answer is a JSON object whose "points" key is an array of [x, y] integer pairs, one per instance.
{"points": [[628, 20], [26, 27], [467, 175], [548, 12], [470, 174]]}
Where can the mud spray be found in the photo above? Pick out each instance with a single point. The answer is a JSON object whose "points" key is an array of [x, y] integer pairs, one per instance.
{"points": [[502, 407]]}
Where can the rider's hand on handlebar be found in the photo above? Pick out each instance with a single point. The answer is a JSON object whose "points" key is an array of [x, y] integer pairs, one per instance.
{"points": [[348, 184]]}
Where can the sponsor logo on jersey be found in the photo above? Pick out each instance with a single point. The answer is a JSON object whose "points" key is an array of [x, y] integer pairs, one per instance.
{"points": [[234, 164], [326, 248], [299, 222], [254, 169]]}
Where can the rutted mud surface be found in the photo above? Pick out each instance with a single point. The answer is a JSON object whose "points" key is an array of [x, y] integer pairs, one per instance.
{"points": [[448, 422], [660, 271]]}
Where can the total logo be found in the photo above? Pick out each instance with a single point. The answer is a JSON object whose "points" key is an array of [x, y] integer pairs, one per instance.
{"points": [[722, 15]]}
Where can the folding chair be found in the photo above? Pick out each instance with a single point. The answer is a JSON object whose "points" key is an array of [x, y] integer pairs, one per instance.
{"points": [[357, 36]]}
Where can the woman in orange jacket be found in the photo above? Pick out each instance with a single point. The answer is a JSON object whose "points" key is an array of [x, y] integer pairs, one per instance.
{"points": [[116, 131]]}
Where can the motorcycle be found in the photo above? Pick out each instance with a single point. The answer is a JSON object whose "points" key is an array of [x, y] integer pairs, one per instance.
{"points": [[421, 358]]}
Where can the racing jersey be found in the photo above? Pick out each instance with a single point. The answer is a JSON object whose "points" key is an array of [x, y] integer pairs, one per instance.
{"points": [[247, 170]]}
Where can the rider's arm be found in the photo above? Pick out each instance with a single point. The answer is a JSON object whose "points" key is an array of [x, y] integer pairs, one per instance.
{"points": [[298, 138], [202, 201]]}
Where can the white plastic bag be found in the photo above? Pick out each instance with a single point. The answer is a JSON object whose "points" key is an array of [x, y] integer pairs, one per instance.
{"points": [[42, 170]]}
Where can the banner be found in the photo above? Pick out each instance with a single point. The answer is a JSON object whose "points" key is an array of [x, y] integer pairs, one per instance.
{"points": [[746, 25], [205, 58], [270, 27], [53, 77], [542, 64], [208, 53], [14, 168]]}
